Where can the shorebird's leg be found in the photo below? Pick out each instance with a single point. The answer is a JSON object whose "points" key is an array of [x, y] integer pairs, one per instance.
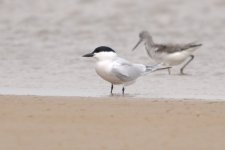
{"points": [[123, 89], [112, 89], [169, 72], [182, 69]]}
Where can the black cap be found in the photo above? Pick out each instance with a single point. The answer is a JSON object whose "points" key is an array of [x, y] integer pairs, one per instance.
{"points": [[98, 50]]}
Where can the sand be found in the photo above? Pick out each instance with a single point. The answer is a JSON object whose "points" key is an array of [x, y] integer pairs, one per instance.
{"points": [[117, 123]]}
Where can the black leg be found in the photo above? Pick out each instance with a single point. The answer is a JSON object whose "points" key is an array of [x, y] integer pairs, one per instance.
{"points": [[123, 89], [112, 89], [182, 69]]}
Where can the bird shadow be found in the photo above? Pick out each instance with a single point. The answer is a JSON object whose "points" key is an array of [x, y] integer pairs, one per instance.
{"points": [[117, 95], [175, 74], [184, 74]]}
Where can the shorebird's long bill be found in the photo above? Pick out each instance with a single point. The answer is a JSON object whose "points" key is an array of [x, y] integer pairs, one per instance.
{"points": [[88, 55], [139, 42]]}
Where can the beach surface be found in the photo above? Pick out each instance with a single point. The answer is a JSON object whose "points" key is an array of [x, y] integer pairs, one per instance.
{"points": [[121, 123]]}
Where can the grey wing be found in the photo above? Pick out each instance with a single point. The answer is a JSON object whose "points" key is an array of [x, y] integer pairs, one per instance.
{"points": [[127, 71], [171, 48], [168, 48]]}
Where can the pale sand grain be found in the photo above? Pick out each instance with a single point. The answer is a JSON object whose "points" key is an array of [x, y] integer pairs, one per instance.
{"points": [[75, 123]]}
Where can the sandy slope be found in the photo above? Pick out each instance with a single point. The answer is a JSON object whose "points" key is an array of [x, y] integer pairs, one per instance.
{"points": [[56, 123]]}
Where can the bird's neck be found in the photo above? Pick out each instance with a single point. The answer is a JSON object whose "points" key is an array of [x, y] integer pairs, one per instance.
{"points": [[149, 44], [149, 41]]}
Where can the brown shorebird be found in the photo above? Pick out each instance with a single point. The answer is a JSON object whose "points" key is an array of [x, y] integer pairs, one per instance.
{"points": [[168, 54]]}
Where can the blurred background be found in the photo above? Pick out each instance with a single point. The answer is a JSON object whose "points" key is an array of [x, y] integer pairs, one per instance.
{"points": [[42, 41]]}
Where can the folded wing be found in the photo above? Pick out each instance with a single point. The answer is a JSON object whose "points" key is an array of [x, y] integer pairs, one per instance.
{"points": [[127, 71]]}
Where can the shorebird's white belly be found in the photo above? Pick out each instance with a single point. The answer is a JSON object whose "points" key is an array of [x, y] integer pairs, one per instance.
{"points": [[103, 69], [175, 58]]}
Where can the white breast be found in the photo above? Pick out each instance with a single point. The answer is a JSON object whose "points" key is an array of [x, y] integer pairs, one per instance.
{"points": [[103, 69], [172, 59], [175, 58]]}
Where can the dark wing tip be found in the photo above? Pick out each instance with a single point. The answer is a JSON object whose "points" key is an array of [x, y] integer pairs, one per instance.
{"points": [[195, 45]]}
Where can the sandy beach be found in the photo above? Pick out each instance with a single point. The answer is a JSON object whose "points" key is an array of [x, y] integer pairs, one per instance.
{"points": [[56, 123], [41, 44]]}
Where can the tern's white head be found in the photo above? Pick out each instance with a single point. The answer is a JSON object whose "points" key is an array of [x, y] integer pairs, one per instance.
{"points": [[102, 53]]}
